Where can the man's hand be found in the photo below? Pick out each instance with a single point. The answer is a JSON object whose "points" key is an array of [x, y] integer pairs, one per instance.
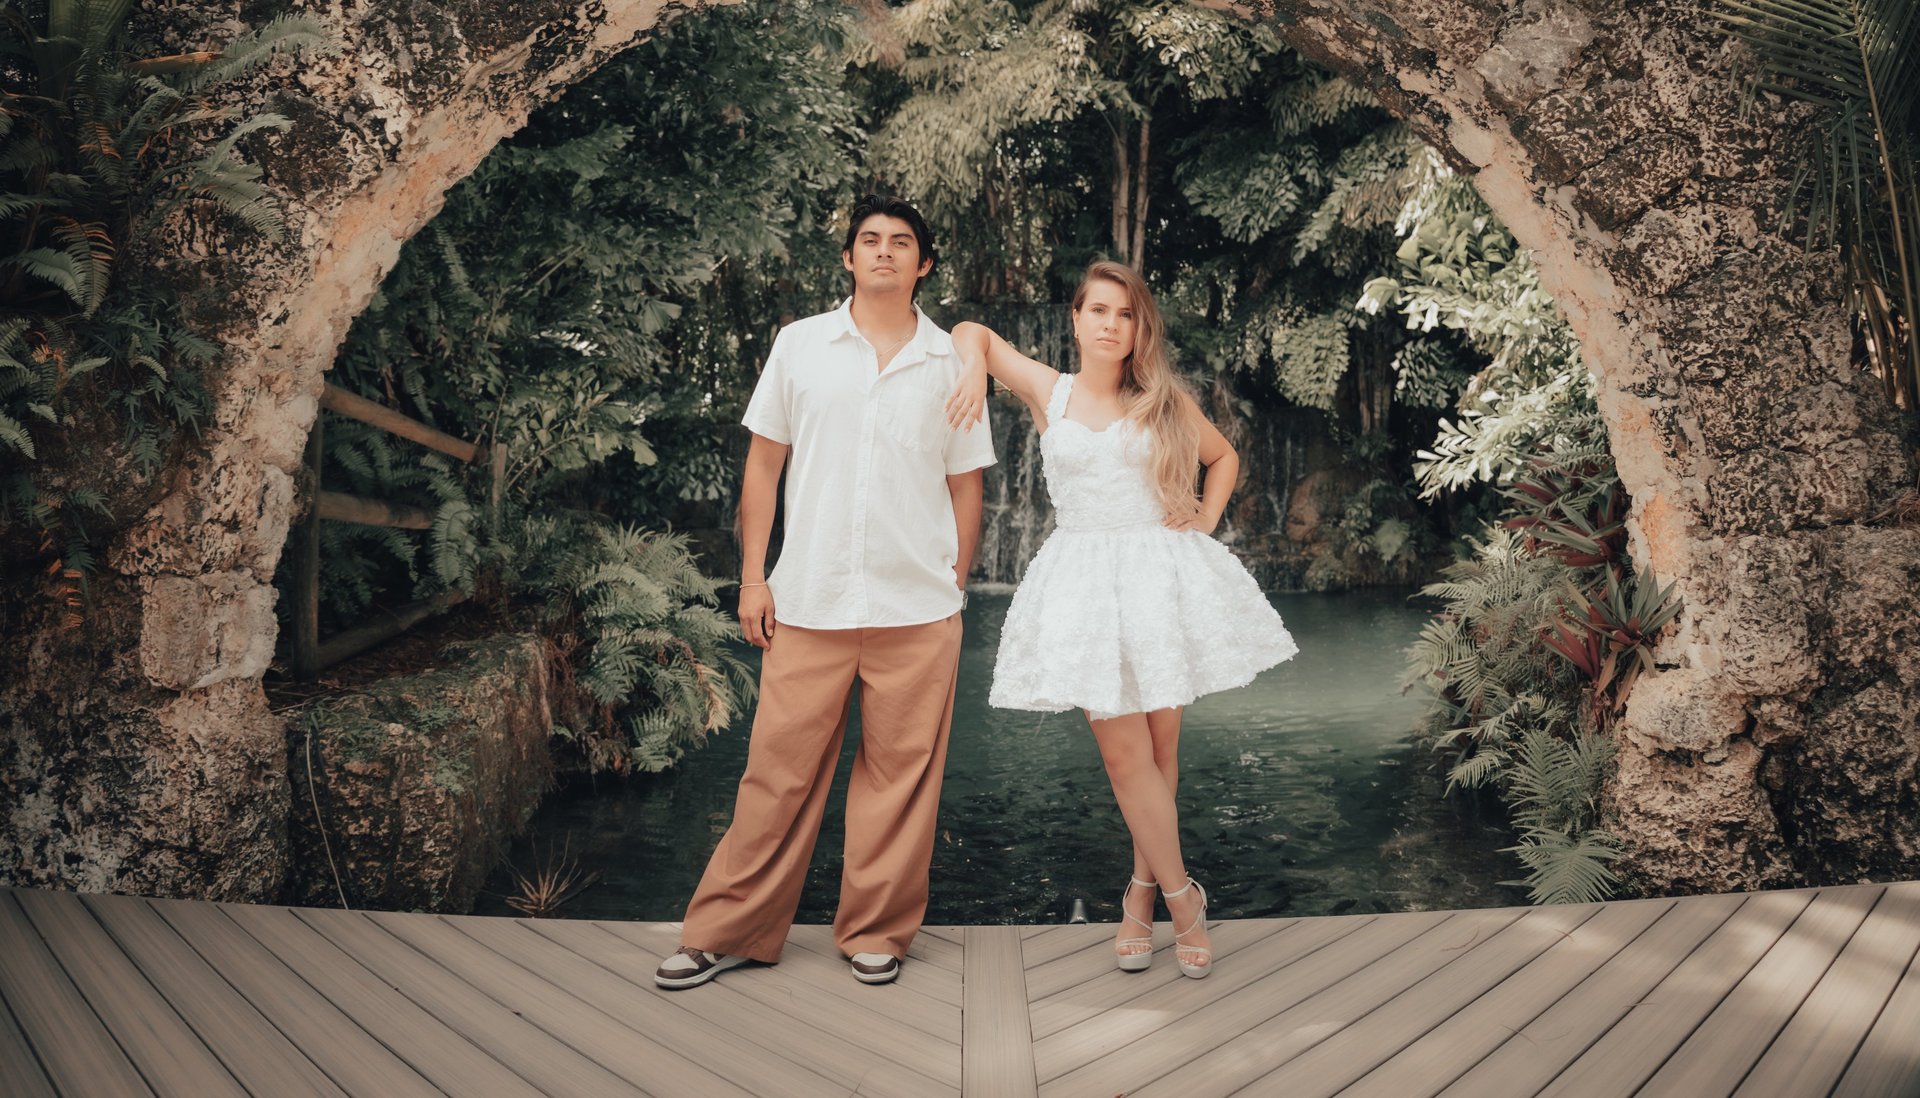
{"points": [[969, 398], [756, 615]]}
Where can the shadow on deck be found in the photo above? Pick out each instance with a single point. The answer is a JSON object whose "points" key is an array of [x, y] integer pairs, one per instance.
{"points": [[1792, 993]]}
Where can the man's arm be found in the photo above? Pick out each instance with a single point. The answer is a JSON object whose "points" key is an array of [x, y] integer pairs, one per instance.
{"points": [[969, 497], [759, 492]]}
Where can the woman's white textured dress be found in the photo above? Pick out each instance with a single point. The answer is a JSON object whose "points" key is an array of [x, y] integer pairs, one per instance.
{"points": [[1116, 613]]}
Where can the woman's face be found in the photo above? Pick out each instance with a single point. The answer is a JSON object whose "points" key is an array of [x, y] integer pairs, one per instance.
{"points": [[1103, 324]]}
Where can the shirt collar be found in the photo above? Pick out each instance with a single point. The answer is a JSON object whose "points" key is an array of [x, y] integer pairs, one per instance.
{"points": [[919, 346]]}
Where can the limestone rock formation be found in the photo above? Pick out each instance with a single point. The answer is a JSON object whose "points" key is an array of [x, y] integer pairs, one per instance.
{"points": [[1779, 742]]}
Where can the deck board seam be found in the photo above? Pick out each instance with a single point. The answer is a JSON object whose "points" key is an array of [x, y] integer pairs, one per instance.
{"points": [[1147, 989], [733, 1031], [1812, 985], [584, 1054], [212, 1049], [353, 1016], [26, 1038], [1911, 969], [1732, 986], [1516, 1031], [54, 955], [1600, 1035]]}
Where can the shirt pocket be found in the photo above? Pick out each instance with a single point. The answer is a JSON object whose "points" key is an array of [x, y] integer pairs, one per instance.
{"points": [[914, 416]]}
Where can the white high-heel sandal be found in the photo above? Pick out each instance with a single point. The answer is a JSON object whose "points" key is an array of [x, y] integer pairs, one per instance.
{"points": [[1133, 962], [1200, 970]]}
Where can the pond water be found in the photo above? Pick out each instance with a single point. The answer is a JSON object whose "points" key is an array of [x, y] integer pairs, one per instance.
{"points": [[1300, 794]]}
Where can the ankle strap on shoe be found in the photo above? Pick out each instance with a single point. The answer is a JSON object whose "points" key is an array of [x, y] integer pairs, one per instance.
{"points": [[1141, 883], [1179, 891]]}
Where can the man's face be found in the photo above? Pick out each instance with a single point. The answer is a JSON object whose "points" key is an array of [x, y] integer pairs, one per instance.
{"points": [[885, 257]]}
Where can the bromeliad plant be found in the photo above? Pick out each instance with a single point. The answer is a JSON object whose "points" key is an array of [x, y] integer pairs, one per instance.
{"points": [[1608, 635]]}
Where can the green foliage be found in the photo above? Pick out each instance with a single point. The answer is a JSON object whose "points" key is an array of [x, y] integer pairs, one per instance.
{"points": [[98, 148], [1503, 712], [597, 296], [1552, 786], [1460, 270], [642, 626], [1858, 62]]}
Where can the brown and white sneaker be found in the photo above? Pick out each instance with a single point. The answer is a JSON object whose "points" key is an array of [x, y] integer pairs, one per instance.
{"points": [[875, 968], [690, 967]]}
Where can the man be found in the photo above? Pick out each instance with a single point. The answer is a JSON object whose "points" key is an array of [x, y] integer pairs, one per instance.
{"points": [[882, 518]]}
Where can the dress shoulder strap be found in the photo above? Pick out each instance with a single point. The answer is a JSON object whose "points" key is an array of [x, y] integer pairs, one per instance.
{"points": [[1057, 401]]}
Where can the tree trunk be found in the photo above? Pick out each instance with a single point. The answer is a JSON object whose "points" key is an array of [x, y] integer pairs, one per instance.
{"points": [[1137, 248], [1122, 189]]}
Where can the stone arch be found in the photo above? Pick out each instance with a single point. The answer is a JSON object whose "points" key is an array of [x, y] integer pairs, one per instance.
{"points": [[1777, 743], [139, 754]]}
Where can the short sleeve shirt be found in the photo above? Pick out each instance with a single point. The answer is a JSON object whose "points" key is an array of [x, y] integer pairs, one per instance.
{"points": [[870, 536]]}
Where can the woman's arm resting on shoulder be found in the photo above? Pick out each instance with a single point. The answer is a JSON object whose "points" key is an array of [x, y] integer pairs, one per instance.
{"points": [[1223, 472], [984, 352]]}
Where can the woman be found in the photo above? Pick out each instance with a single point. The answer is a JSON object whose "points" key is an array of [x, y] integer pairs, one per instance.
{"points": [[1131, 609]]}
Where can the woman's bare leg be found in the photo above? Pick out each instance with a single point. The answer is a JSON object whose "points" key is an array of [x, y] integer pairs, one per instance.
{"points": [[1145, 796], [1164, 726]]}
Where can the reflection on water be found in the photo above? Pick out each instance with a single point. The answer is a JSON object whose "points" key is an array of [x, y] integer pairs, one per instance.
{"points": [[1297, 797]]}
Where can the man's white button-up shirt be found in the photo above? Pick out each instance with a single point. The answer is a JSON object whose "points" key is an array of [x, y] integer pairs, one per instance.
{"points": [[870, 537]]}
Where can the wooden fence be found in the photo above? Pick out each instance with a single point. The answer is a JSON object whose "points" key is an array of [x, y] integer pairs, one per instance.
{"points": [[309, 653]]}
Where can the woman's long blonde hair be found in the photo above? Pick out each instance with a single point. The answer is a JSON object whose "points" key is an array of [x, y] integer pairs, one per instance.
{"points": [[1156, 398]]}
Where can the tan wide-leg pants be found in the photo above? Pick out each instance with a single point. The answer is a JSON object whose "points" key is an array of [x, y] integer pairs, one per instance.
{"points": [[747, 898]]}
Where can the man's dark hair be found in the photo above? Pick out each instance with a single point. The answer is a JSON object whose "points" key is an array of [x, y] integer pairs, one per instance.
{"points": [[886, 205]]}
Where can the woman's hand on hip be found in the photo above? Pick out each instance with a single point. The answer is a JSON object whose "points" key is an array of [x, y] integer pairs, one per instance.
{"points": [[1195, 521]]}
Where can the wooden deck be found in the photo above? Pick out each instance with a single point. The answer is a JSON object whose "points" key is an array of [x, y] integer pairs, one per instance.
{"points": [[1794, 993]]}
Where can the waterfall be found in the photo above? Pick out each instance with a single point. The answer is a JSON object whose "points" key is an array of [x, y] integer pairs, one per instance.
{"points": [[1018, 516], [1276, 451]]}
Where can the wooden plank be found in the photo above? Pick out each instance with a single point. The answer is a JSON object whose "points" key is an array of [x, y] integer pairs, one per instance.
{"points": [[534, 1057], [1289, 1012], [303, 551], [257, 1054], [450, 1060], [952, 935], [1621, 1060], [1109, 988], [1336, 1036], [169, 1055], [736, 1056], [913, 1029], [1063, 941], [628, 1053], [348, 1054], [383, 625], [21, 1075], [861, 1047], [938, 952], [75, 1049], [1725, 1047], [1888, 1061], [1448, 1050], [936, 983], [354, 406], [1297, 964], [1811, 1053], [331, 506], [997, 1046], [1543, 1048]]}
